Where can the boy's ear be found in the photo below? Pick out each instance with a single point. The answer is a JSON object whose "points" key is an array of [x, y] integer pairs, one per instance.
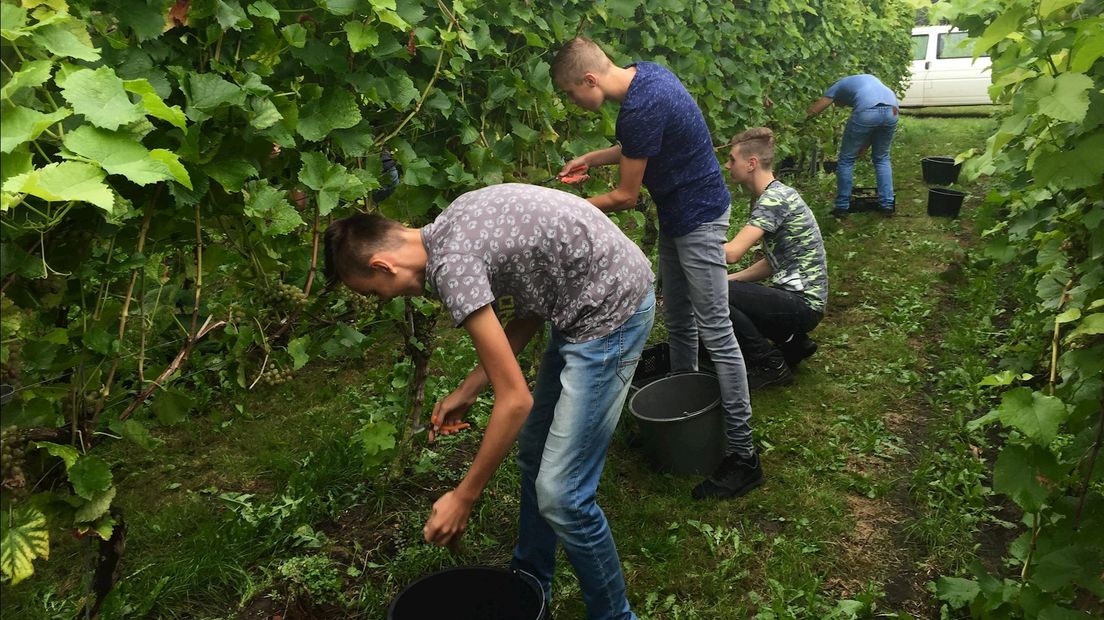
{"points": [[590, 79], [381, 263]]}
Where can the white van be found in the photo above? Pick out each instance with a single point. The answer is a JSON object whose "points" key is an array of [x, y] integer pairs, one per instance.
{"points": [[944, 71]]}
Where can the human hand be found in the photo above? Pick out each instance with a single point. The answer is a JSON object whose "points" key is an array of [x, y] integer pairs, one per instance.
{"points": [[448, 415], [574, 171], [447, 519]]}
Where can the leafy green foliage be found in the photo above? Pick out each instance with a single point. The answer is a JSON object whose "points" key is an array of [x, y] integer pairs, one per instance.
{"points": [[314, 576], [1046, 221]]}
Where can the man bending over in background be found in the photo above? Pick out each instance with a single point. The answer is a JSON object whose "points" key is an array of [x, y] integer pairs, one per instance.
{"points": [[872, 123]]}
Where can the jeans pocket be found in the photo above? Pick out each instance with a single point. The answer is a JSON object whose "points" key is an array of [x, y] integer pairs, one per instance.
{"points": [[626, 368]]}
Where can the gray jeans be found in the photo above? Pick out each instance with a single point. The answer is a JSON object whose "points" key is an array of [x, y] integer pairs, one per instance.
{"points": [[693, 273]]}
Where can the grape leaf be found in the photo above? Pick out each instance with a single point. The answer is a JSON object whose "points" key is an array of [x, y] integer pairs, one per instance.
{"points": [[24, 124], [153, 104], [337, 109], [90, 475], [25, 539], [33, 74], [69, 38], [118, 153], [64, 181], [101, 97]]}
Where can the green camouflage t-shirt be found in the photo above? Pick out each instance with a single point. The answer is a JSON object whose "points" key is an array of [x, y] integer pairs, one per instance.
{"points": [[795, 249]]}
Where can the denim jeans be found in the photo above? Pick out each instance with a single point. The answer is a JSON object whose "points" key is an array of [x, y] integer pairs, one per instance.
{"points": [[761, 314], [874, 126], [581, 389], [694, 277]]}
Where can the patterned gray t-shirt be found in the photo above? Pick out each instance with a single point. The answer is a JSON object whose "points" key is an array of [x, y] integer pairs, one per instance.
{"points": [[538, 251], [795, 249]]}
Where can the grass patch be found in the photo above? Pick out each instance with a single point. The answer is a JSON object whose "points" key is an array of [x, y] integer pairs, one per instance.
{"points": [[958, 111]]}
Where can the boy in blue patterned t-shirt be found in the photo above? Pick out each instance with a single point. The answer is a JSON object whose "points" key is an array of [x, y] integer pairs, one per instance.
{"points": [[664, 144]]}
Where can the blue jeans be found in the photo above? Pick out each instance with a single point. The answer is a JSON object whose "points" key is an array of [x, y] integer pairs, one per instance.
{"points": [[874, 126], [694, 277], [581, 389]]}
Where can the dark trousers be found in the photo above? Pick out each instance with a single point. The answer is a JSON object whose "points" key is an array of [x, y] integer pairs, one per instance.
{"points": [[761, 314]]}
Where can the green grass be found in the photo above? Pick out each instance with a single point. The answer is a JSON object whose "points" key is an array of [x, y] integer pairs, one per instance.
{"points": [[871, 483], [976, 111]]}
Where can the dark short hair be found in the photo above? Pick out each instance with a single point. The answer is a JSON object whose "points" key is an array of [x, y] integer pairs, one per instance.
{"points": [[350, 242], [759, 142]]}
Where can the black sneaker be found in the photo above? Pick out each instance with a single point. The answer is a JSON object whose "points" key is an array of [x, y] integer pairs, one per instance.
{"points": [[797, 349], [840, 213], [735, 477], [762, 376]]}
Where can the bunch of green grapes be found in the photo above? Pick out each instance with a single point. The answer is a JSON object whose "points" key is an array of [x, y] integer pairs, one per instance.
{"points": [[275, 376], [10, 370], [12, 343], [236, 311], [359, 304], [287, 296], [12, 452]]}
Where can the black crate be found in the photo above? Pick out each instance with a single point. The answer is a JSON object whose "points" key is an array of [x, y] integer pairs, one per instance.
{"points": [[864, 199], [655, 362]]}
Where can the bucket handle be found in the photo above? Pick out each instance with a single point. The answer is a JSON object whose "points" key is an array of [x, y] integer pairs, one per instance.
{"points": [[544, 602]]}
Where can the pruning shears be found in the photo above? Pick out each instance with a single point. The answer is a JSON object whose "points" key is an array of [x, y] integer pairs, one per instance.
{"points": [[445, 429], [575, 175]]}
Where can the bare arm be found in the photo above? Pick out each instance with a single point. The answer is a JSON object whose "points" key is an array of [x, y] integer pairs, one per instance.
{"points": [[818, 106], [759, 270], [449, 517], [627, 192], [601, 157], [742, 242], [519, 332]]}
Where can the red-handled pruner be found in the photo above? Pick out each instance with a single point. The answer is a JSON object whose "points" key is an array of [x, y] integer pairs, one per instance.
{"points": [[446, 429], [577, 174]]}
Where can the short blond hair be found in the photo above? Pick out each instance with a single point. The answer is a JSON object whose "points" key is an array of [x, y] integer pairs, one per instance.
{"points": [[758, 142], [576, 58]]}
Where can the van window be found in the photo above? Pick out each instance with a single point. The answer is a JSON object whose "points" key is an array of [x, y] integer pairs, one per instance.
{"points": [[919, 46], [955, 45]]}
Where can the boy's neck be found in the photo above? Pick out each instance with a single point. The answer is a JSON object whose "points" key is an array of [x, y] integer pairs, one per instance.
{"points": [[615, 83], [414, 251], [759, 181]]}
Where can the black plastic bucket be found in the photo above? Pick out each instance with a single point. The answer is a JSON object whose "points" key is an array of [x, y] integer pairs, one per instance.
{"points": [[681, 423], [943, 202], [471, 593], [940, 170]]}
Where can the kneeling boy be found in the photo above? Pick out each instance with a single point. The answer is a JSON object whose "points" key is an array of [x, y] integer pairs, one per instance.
{"points": [[772, 322]]}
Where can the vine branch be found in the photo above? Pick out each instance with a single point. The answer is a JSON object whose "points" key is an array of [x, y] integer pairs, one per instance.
{"points": [[425, 93]]}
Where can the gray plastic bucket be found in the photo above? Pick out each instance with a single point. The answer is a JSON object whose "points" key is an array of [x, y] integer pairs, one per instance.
{"points": [[681, 423], [471, 593]]}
